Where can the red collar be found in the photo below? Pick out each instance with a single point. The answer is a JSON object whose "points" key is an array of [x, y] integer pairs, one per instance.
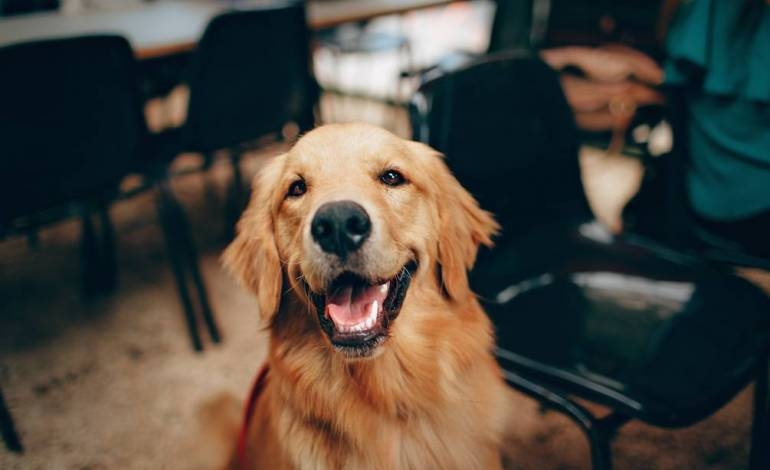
{"points": [[251, 403]]}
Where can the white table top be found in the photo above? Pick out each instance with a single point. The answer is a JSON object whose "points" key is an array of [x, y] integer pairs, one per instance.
{"points": [[165, 27], [325, 13]]}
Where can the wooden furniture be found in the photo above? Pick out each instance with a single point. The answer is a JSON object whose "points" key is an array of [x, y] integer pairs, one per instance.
{"points": [[164, 28]]}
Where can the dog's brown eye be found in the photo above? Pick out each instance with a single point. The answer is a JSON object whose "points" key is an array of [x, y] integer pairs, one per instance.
{"points": [[297, 188], [392, 178]]}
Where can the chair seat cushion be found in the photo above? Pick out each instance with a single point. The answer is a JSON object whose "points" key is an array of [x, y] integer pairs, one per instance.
{"points": [[636, 327]]}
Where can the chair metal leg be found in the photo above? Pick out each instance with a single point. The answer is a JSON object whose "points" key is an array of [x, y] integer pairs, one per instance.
{"points": [[601, 458], [758, 459], [108, 261], [236, 198], [98, 250], [7, 428], [208, 314], [188, 247], [89, 253], [600, 436], [212, 199], [184, 260], [168, 212], [599, 431]]}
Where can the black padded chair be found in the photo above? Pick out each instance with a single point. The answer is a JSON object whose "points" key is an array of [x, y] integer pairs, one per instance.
{"points": [[644, 330], [249, 77], [22, 7], [71, 127], [517, 24], [68, 134]]}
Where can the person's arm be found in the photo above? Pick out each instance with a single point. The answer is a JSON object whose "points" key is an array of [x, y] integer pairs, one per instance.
{"points": [[610, 63]]}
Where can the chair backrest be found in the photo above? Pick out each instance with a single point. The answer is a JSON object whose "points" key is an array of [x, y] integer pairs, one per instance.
{"points": [[250, 76], [18, 7], [511, 25], [70, 120], [509, 137]]}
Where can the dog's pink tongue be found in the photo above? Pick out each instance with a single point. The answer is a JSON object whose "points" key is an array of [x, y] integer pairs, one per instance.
{"points": [[350, 306]]}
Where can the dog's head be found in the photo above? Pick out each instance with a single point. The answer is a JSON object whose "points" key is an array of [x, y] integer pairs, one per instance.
{"points": [[348, 221]]}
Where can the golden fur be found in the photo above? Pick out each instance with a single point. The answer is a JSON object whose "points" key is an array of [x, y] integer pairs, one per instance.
{"points": [[432, 396]]}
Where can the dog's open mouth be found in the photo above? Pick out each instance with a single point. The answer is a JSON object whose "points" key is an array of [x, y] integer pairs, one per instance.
{"points": [[356, 313]]}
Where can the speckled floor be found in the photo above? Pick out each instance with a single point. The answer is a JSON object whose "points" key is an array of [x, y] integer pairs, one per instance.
{"points": [[112, 382]]}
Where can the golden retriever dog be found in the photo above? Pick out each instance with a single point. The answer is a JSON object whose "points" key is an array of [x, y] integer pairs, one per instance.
{"points": [[357, 244]]}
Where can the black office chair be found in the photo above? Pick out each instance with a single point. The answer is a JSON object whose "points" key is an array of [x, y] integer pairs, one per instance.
{"points": [[644, 330], [71, 127], [68, 133], [22, 7], [250, 76]]}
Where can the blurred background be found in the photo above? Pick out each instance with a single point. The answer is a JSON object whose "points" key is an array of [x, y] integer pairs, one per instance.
{"points": [[622, 144]]}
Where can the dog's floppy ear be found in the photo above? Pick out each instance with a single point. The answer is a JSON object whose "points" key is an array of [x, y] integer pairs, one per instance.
{"points": [[253, 256], [463, 226]]}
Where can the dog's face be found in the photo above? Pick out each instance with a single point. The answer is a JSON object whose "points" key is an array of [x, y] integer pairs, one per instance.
{"points": [[345, 221]]}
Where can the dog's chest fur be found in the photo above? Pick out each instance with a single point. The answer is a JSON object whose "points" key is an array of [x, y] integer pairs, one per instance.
{"points": [[385, 414], [447, 437]]}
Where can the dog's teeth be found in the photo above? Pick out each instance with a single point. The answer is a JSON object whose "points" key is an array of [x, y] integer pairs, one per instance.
{"points": [[363, 325], [372, 318], [384, 288]]}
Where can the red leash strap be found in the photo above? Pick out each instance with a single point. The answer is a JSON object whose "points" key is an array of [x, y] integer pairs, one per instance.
{"points": [[251, 404]]}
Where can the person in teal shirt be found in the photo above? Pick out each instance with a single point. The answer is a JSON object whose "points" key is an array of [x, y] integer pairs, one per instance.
{"points": [[719, 51]]}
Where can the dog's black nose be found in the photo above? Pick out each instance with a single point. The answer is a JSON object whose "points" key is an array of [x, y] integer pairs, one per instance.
{"points": [[340, 227]]}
